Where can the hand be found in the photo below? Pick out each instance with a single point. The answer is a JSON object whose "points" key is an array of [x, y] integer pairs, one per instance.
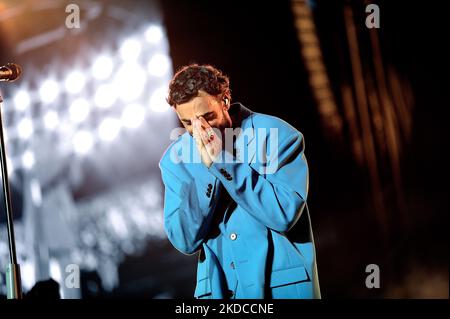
{"points": [[208, 142]]}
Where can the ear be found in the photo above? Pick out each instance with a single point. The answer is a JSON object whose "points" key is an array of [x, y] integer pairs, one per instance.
{"points": [[226, 102]]}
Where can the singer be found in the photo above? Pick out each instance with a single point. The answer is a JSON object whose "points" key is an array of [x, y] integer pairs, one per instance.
{"points": [[242, 205]]}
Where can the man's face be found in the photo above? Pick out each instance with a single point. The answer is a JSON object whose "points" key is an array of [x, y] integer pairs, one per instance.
{"points": [[214, 111]]}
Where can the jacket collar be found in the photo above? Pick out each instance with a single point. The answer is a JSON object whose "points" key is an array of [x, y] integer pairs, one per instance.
{"points": [[242, 118]]}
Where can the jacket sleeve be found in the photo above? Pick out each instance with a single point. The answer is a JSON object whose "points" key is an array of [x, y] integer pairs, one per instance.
{"points": [[275, 199], [186, 219]]}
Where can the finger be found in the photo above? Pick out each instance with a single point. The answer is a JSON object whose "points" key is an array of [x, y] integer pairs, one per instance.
{"points": [[212, 147], [200, 131], [204, 123], [196, 133], [196, 125], [209, 131], [204, 136], [209, 149]]}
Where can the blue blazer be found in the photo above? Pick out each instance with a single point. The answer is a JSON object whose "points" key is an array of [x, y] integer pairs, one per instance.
{"points": [[269, 189]]}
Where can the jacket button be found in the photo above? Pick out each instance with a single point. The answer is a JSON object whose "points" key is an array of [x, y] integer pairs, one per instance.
{"points": [[232, 265], [229, 294], [208, 194], [233, 236]]}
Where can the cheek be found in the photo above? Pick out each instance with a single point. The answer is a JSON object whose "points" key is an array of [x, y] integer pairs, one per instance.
{"points": [[188, 128], [213, 123], [216, 121]]}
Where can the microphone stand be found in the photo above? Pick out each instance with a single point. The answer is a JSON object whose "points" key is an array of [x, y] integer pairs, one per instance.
{"points": [[13, 282]]}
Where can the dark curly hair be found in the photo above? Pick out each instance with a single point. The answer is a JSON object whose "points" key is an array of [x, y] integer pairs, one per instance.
{"points": [[191, 78]]}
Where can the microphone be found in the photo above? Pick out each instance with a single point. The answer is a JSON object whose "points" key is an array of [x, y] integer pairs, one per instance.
{"points": [[10, 72]]}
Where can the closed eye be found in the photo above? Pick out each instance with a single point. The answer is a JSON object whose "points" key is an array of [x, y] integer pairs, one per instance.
{"points": [[209, 116]]}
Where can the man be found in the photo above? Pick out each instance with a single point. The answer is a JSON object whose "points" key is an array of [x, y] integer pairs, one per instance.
{"points": [[242, 202]]}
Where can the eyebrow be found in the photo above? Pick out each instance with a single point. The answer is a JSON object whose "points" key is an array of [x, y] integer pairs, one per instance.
{"points": [[203, 115]]}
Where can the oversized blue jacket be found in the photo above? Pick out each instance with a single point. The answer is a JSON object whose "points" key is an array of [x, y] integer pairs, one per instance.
{"points": [[266, 231]]}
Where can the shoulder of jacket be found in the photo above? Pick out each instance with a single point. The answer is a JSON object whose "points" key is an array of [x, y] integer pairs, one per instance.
{"points": [[265, 121], [173, 149]]}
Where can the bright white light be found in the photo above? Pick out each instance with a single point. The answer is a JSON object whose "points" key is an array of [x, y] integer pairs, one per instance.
{"points": [[82, 142], [154, 34], [56, 274], [55, 271], [25, 128], [49, 91], [10, 165], [118, 223], [109, 129], [22, 100], [130, 50], [79, 110], [28, 159], [158, 101], [158, 65], [102, 67], [129, 81], [105, 96], [36, 192], [27, 274], [51, 120], [74, 82], [133, 115]]}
